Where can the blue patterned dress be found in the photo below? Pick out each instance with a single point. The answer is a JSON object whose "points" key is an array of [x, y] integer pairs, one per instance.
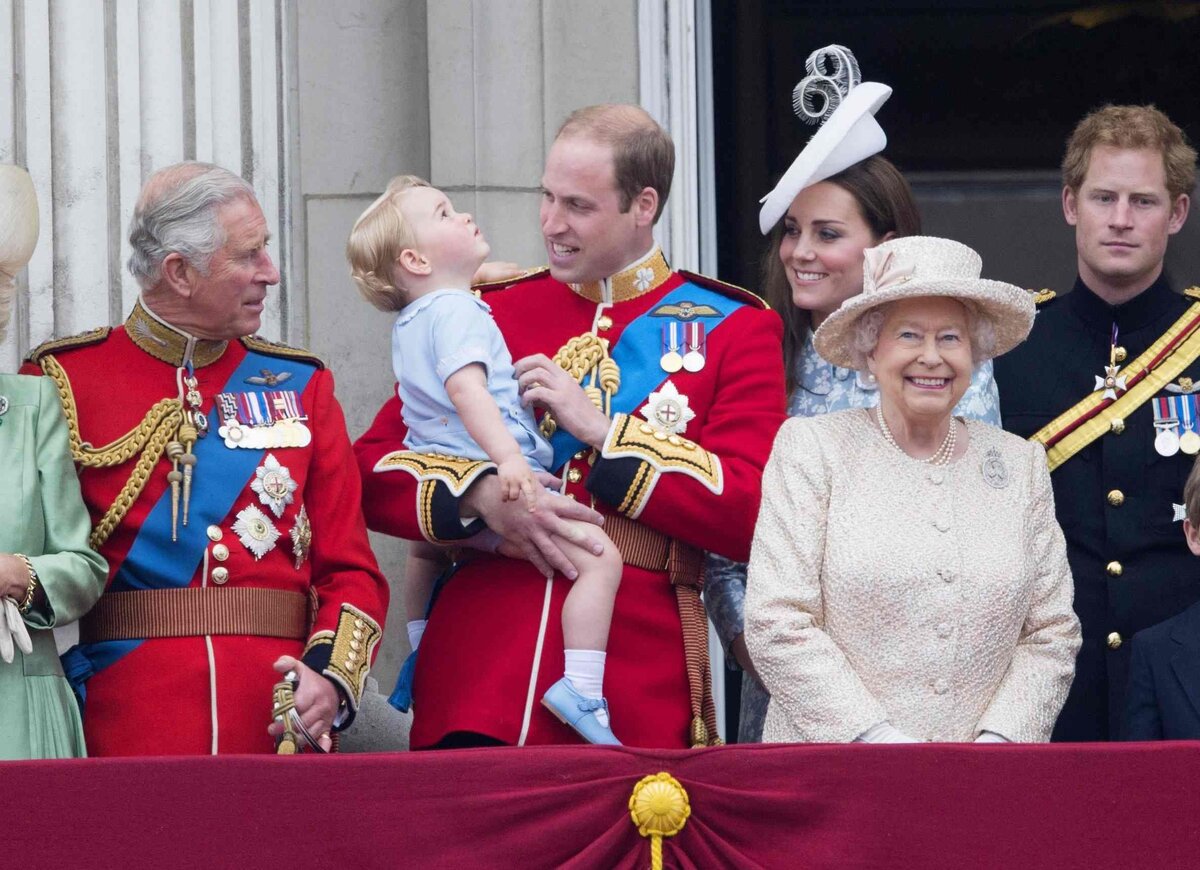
{"points": [[821, 388]]}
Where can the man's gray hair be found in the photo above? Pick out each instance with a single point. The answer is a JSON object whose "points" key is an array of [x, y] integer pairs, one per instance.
{"points": [[177, 213], [865, 334]]}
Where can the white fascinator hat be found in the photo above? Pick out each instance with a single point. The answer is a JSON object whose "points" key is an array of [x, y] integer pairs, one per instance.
{"points": [[834, 96]]}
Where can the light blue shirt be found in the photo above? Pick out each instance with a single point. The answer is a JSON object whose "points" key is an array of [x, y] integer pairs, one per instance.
{"points": [[433, 338]]}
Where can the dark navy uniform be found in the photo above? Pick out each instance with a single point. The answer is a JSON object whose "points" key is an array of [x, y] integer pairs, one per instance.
{"points": [[1115, 498]]}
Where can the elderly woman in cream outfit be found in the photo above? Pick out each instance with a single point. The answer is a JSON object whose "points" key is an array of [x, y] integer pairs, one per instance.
{"points": [[908, 579], [48, 574]]}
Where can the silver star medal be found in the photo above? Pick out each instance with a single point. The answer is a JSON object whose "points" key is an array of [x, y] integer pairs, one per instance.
{"points": [[301, 537], [668, 410], [274, 485], [1111, 383], [256, 531]]}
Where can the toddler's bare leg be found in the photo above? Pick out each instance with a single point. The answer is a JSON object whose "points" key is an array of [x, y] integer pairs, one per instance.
{"points": [[587, 612], [424, 565]]}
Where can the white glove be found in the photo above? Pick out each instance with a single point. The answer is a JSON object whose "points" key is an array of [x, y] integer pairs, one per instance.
{"points": [[991, 737], [885, 732], [12, 628]]}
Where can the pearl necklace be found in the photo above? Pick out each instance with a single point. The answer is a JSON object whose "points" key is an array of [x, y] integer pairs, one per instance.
{"points": [[941, 456]]}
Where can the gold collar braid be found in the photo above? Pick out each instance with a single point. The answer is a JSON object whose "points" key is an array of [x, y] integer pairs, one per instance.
{"points": [[163, 341], [632, 281]]}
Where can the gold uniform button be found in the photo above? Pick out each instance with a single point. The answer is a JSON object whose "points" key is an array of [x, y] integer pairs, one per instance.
{"points": [[220, 552], [1114, 569], [215, 533], [579, 456], [1117, 426], [220, 575], [1119, 354], [574, 475], [1116, 498], [1114, 640], [605, 322]]}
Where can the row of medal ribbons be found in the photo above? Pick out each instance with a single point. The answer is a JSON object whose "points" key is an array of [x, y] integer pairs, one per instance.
{"points": [[1175, 422]]}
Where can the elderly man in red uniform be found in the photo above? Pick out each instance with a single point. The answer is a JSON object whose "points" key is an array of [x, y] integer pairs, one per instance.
{"points": [[662, 392], [220, 480]]}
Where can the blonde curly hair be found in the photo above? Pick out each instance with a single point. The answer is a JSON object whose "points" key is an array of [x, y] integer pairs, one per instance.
{"points": [[376, 240]]}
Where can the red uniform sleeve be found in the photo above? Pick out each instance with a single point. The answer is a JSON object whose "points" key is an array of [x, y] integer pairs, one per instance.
{"points": [[351, 592], [409, 495]]}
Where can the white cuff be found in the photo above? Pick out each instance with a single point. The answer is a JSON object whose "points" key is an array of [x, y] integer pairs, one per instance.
{"points": [[884, 732], [991, 737]]}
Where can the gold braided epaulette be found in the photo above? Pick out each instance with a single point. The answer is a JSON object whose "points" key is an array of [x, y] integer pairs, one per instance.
{"points": [[1041, 297], [57, 345], [258, 344], [527, 275], [741, 294], [1192, 293]]}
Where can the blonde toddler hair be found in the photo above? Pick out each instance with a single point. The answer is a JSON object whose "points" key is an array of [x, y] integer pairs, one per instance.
{"points": [[376, 240]]}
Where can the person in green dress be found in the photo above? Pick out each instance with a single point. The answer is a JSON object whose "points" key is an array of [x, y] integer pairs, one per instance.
{"points": [[48, 574]]}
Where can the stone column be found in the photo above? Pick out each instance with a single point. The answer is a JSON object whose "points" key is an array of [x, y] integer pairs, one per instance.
{"points": [[94, 96]]}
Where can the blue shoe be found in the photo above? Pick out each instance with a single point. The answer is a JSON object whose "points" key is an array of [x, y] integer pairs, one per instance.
{"points": [[572, 709]]}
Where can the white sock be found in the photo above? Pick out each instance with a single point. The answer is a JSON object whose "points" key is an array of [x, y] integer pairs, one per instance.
{"points": [[585, 670], [416, 628]]}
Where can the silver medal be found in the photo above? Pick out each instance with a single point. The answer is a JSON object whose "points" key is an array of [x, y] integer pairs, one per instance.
{"points": [[693, 361], [1166, 442], [671, 362], [274, 484], [256, 532]]}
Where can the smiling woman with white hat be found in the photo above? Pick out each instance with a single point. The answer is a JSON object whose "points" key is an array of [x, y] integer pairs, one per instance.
{"points": [[908, 580], [839, 197], [48, 575]]}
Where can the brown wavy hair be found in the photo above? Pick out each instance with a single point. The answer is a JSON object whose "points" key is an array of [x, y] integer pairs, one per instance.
{"points": [[1131, 127]]}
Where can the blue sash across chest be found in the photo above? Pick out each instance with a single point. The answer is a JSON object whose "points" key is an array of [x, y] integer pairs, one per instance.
{"points": [[154, 561], [638, 353]]}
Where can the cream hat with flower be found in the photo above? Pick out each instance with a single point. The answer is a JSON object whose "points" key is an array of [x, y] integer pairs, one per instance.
{"points": [[915, 266], [834, 96]]}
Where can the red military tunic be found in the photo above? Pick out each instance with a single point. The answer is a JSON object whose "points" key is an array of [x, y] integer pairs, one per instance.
{"points": [[494, 642], [207, 693]]}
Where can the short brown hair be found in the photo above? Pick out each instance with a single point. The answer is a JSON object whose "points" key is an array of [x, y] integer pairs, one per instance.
{"points": [[886, 203], [1191, 494], [1131, 127], [643, 153], [376, 240]]}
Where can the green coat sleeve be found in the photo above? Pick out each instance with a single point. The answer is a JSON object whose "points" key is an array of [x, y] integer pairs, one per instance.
{"points": [[71, 573]]}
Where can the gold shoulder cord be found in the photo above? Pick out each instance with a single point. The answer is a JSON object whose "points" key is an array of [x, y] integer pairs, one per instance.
{"points": [[150, 437], [580, 357]]}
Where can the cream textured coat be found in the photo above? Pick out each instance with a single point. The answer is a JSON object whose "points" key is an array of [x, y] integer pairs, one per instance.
{"points": [[881, 588]]}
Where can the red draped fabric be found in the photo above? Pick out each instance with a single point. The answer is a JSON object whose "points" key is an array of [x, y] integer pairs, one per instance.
{"points": [[926, 806]]}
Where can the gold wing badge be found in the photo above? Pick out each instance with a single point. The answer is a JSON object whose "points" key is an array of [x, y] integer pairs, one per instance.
{"points": [[685, 311]]}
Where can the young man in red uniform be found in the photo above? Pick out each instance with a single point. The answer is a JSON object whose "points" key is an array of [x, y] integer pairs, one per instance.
{"points": [[219, 477], [662, 393]]}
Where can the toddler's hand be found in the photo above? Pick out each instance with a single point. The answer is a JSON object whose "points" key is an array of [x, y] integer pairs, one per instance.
{"points": [[517, 481]]}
